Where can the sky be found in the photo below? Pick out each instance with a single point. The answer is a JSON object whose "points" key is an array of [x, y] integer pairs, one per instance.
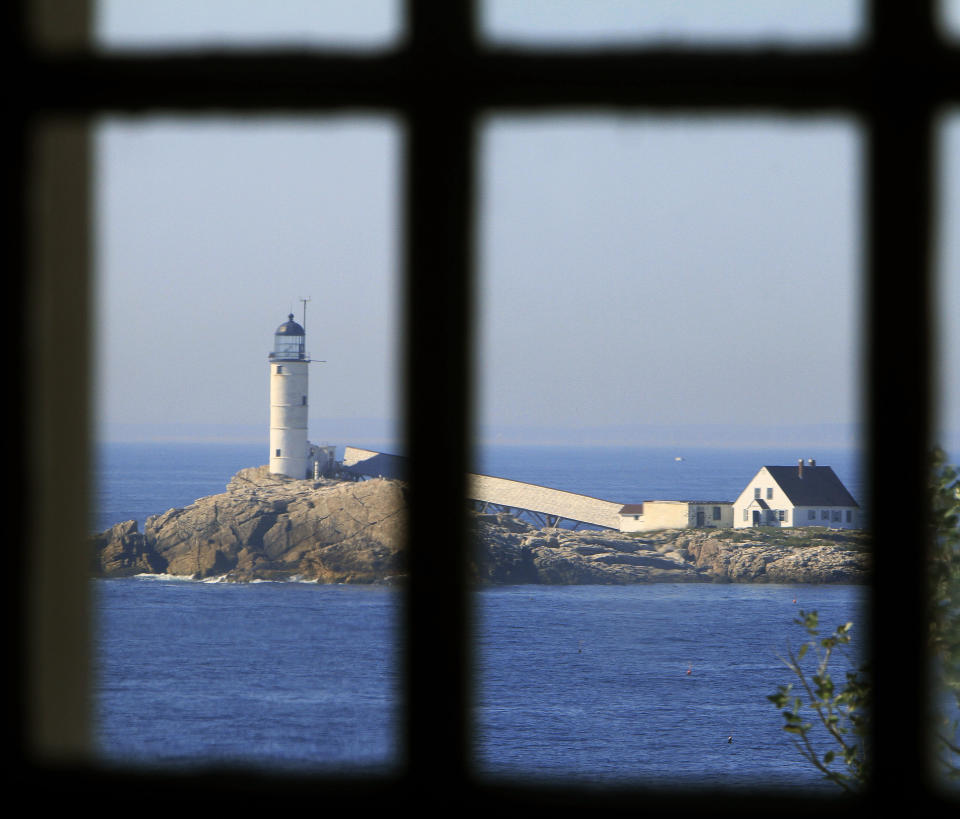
{"points": [[640, 280]]}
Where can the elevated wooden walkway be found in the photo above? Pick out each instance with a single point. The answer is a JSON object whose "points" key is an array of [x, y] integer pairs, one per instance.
{"points": [[547, 506]]}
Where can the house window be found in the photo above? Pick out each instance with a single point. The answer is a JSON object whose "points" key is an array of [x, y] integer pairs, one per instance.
{"points": [[716, 513], [849, 516], [277, 453], [811, 514], [279, 368], [756, 492], [836, 515], [769, 493], [896, 176], [746, 515], [780, 514], [824, 514]]}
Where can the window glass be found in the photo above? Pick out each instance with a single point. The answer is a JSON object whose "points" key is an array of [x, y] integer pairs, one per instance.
{"points": [[950, 17], [591, 23], [718, 259], [192, 24], [948, 289], [946, 652], [209, 233]]}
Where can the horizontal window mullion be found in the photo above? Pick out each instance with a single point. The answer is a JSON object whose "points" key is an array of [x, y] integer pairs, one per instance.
{"points": [[834, 79]]}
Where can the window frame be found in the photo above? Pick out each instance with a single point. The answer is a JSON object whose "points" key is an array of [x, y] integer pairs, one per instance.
{"points": [[895, 84]]}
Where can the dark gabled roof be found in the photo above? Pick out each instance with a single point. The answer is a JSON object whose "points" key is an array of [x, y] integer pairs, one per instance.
{"points": [[819, 486], [632, 509]]}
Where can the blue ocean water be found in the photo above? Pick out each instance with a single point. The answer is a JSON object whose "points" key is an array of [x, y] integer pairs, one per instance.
{"points": [[271, 674], [590, 684], [585, 684]]}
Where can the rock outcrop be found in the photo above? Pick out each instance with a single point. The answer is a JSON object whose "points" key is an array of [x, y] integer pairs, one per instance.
{"points": [[509, 551], [268, 527]]}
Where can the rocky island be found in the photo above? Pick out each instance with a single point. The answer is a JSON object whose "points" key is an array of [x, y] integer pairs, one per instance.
{"points": [[270, 527]]}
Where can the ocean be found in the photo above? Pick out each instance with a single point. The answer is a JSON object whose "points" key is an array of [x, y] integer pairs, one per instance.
{"points": [[646, 684]]}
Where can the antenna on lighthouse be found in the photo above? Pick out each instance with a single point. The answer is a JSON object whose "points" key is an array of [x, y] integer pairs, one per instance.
{"points": [[305, 312]]}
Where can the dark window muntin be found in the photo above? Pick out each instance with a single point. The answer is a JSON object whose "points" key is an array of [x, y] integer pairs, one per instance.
{"points": [[895, 84]]}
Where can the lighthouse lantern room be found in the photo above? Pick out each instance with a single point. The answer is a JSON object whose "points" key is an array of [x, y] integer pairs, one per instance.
{"points": [[289, 449]]}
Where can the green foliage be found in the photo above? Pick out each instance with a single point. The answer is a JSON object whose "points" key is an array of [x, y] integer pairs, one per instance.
{"points": [[841, 714], [844, 713], [944, 636]]}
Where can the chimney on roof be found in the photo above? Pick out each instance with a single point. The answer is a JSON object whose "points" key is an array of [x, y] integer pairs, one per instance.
{"points": [[800, 468], [811, 462]]}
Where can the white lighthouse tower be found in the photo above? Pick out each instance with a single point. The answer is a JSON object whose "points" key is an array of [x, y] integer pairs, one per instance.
{"points": [[289, 449]]}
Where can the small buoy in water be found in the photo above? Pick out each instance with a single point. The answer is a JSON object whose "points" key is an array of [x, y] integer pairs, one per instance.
{"points": [[690, 670], [729, 739], [794, 599]]}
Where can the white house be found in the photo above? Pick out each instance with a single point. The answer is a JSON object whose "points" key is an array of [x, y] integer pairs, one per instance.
{"points": [[801, 495], [665, 514]]}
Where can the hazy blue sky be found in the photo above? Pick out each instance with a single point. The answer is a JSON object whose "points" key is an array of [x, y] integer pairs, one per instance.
{"points": [[369, 23], [638, 275]]}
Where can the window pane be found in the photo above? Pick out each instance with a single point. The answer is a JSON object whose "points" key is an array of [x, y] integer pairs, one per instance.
{"points": [[950, 17], [698, 22], [947, 431], [948, 297], [179, 24], [667, 306], [218, 241]]}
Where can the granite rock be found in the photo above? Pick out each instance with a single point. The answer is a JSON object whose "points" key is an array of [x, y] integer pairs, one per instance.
{"points": [[268, 527]]}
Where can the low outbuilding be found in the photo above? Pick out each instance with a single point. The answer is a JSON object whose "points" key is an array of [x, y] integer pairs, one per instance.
{"points": [[675, 514]]}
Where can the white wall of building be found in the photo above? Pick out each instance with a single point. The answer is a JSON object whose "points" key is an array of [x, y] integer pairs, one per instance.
{"points": [[834, 517], [677, 515]]}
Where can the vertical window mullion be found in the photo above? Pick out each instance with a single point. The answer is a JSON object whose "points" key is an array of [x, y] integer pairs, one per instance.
{"points": [[899, 179], [437, 314]]}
